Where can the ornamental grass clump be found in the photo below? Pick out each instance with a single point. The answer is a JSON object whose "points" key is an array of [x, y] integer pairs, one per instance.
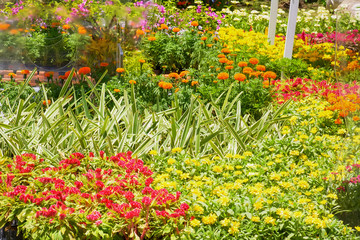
{"points": [[96, 197]]}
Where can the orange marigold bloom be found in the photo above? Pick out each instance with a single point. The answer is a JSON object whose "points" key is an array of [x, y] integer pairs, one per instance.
{"points": [[4, 26], [84, 70], [116, 90], [193, 83], [338, 121], [221, 56], [139, 32], [230, 62], [203, 38], [62, 77], [151, 39], [247, 70], [82, 30], [261, 68], [265, 84], [223, 76], [165, 85], [132, 82], [48, 102], [177, 89], [239, 77], [215, 81], [270, 74], [175, 30], [242, 64], [254, 61], [225, 50], [217, 69], [164, 26], [25, 72], [229, 67], [174, 75], [356, 118], [120, 70], [141, 60], [215, 39], [49, 74], [11, 74], [184, 81], [211, 67], [184, 73], [67, 74], [209, 45], [104, 64], [223, 60], [66, 27], [194, 23]]}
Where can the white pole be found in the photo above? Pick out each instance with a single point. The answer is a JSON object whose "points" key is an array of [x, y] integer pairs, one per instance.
{"points": [[272, 21], [290, 32]]}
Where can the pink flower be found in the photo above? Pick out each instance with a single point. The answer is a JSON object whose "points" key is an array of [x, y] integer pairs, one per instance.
{"points": [[95, 215], [102, 154], [149, 181], [133, 213], [98, 222], [146, 200], [184, 207]]}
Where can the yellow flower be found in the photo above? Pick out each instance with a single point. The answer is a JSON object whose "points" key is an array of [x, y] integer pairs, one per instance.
{"points": [[234, 228], [153, 152], [211, 219], [225, 222], [171, 161], [294, 152], [199, 209], [283, 213], [258, 205], [195, 223], [255, 219], [297, 214], [357, 228], [175, 150], [270, 220], [332, 195], [341, 131], [224, 200], [246, 154], [217, 169]]}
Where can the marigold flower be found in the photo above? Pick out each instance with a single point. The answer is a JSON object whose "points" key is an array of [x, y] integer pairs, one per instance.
{"points": [[104, 64], [338, 121], [229, 67], [221, 56], [25, 72], [356, 118], [141, 60], [223, 60], [4, 26], [254, 61], [49, 74], [176, 30], [203, 38], [215, 81], [164, 26], [184, 81], [116, 90], [242, 64], [174, 75], [82, 30], [48, 102], [11, 74], [230, 62], [184, 73], [66, 27], [195, 223], [151, 39], [120, 70], [215, 39], [132, 82], [194, 23], [209, 45], [261, 68], [247, 70], [177, 89], [223, 76], [225, 50], [84, 70], [193, 83], [270, 74], [167, 85], [239, 77], [139, 32]]}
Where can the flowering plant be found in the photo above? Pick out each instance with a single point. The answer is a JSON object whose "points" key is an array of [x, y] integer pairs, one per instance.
{"points": [[88, 196]]}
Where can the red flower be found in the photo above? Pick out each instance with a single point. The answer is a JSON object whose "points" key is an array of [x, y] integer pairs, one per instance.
{"points": [[149, 181]]}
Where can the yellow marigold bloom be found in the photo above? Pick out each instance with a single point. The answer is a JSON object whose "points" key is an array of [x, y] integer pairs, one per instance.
{"points": [[246, 154], [258, 205], [209, 220], [225, 222], [171, 161], [283, 213], [175, 150], [217, 169], [153, 152], [332, 195], [195, 223], [224, 200], [234, 228], [294, 153], [199, 209], [270, 220], [255, 219], [303, 184], [341, 131]]}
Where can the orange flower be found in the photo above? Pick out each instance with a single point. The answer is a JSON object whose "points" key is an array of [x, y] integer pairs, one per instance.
{"points": [[223, 76], [151, 39], [165, 85], [193, 83], [116, 90], [356, 118], [242, 64], [239, 77], [120, 70], [215, 81], [84, 70], [230, 62], [223, 60], [4, 26], [67, 74], [176, 90], [49, 74], [209, 45], [104, 64], [176, 30], [265, 84], [211, 67], [25, 72], [247, 70], [338, 121], [261, 68], [270, 74], [132, 82], [66, 27], [217, 69], [48, 102], [229, 67], [221, 56], [254, 61], [215, 39], [225, 50], [13, 31], [203, 38], [139, 32], [11, 74], [184, 73], [164, 26], [174, 75], [194, 23], [141, 60], [82, 30], [184, 81], [62, 77]]}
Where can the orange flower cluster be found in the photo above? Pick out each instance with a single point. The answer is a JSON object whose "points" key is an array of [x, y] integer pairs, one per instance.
{"points": [[151, 39], [25, 72], [4, 26], [194, 23], [176, 30], [225, 50], [84, 70], [239, 77], [49, 74], [223, 76], [139, 32], [343, 104], [269, 74], [104, 64], [242, 64], [184, 73], [223, 60], [163, 27], [165, 85], [254, 61], [193, 83], [132, 82], [247, 70], [120, 70], [174, 75]]}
